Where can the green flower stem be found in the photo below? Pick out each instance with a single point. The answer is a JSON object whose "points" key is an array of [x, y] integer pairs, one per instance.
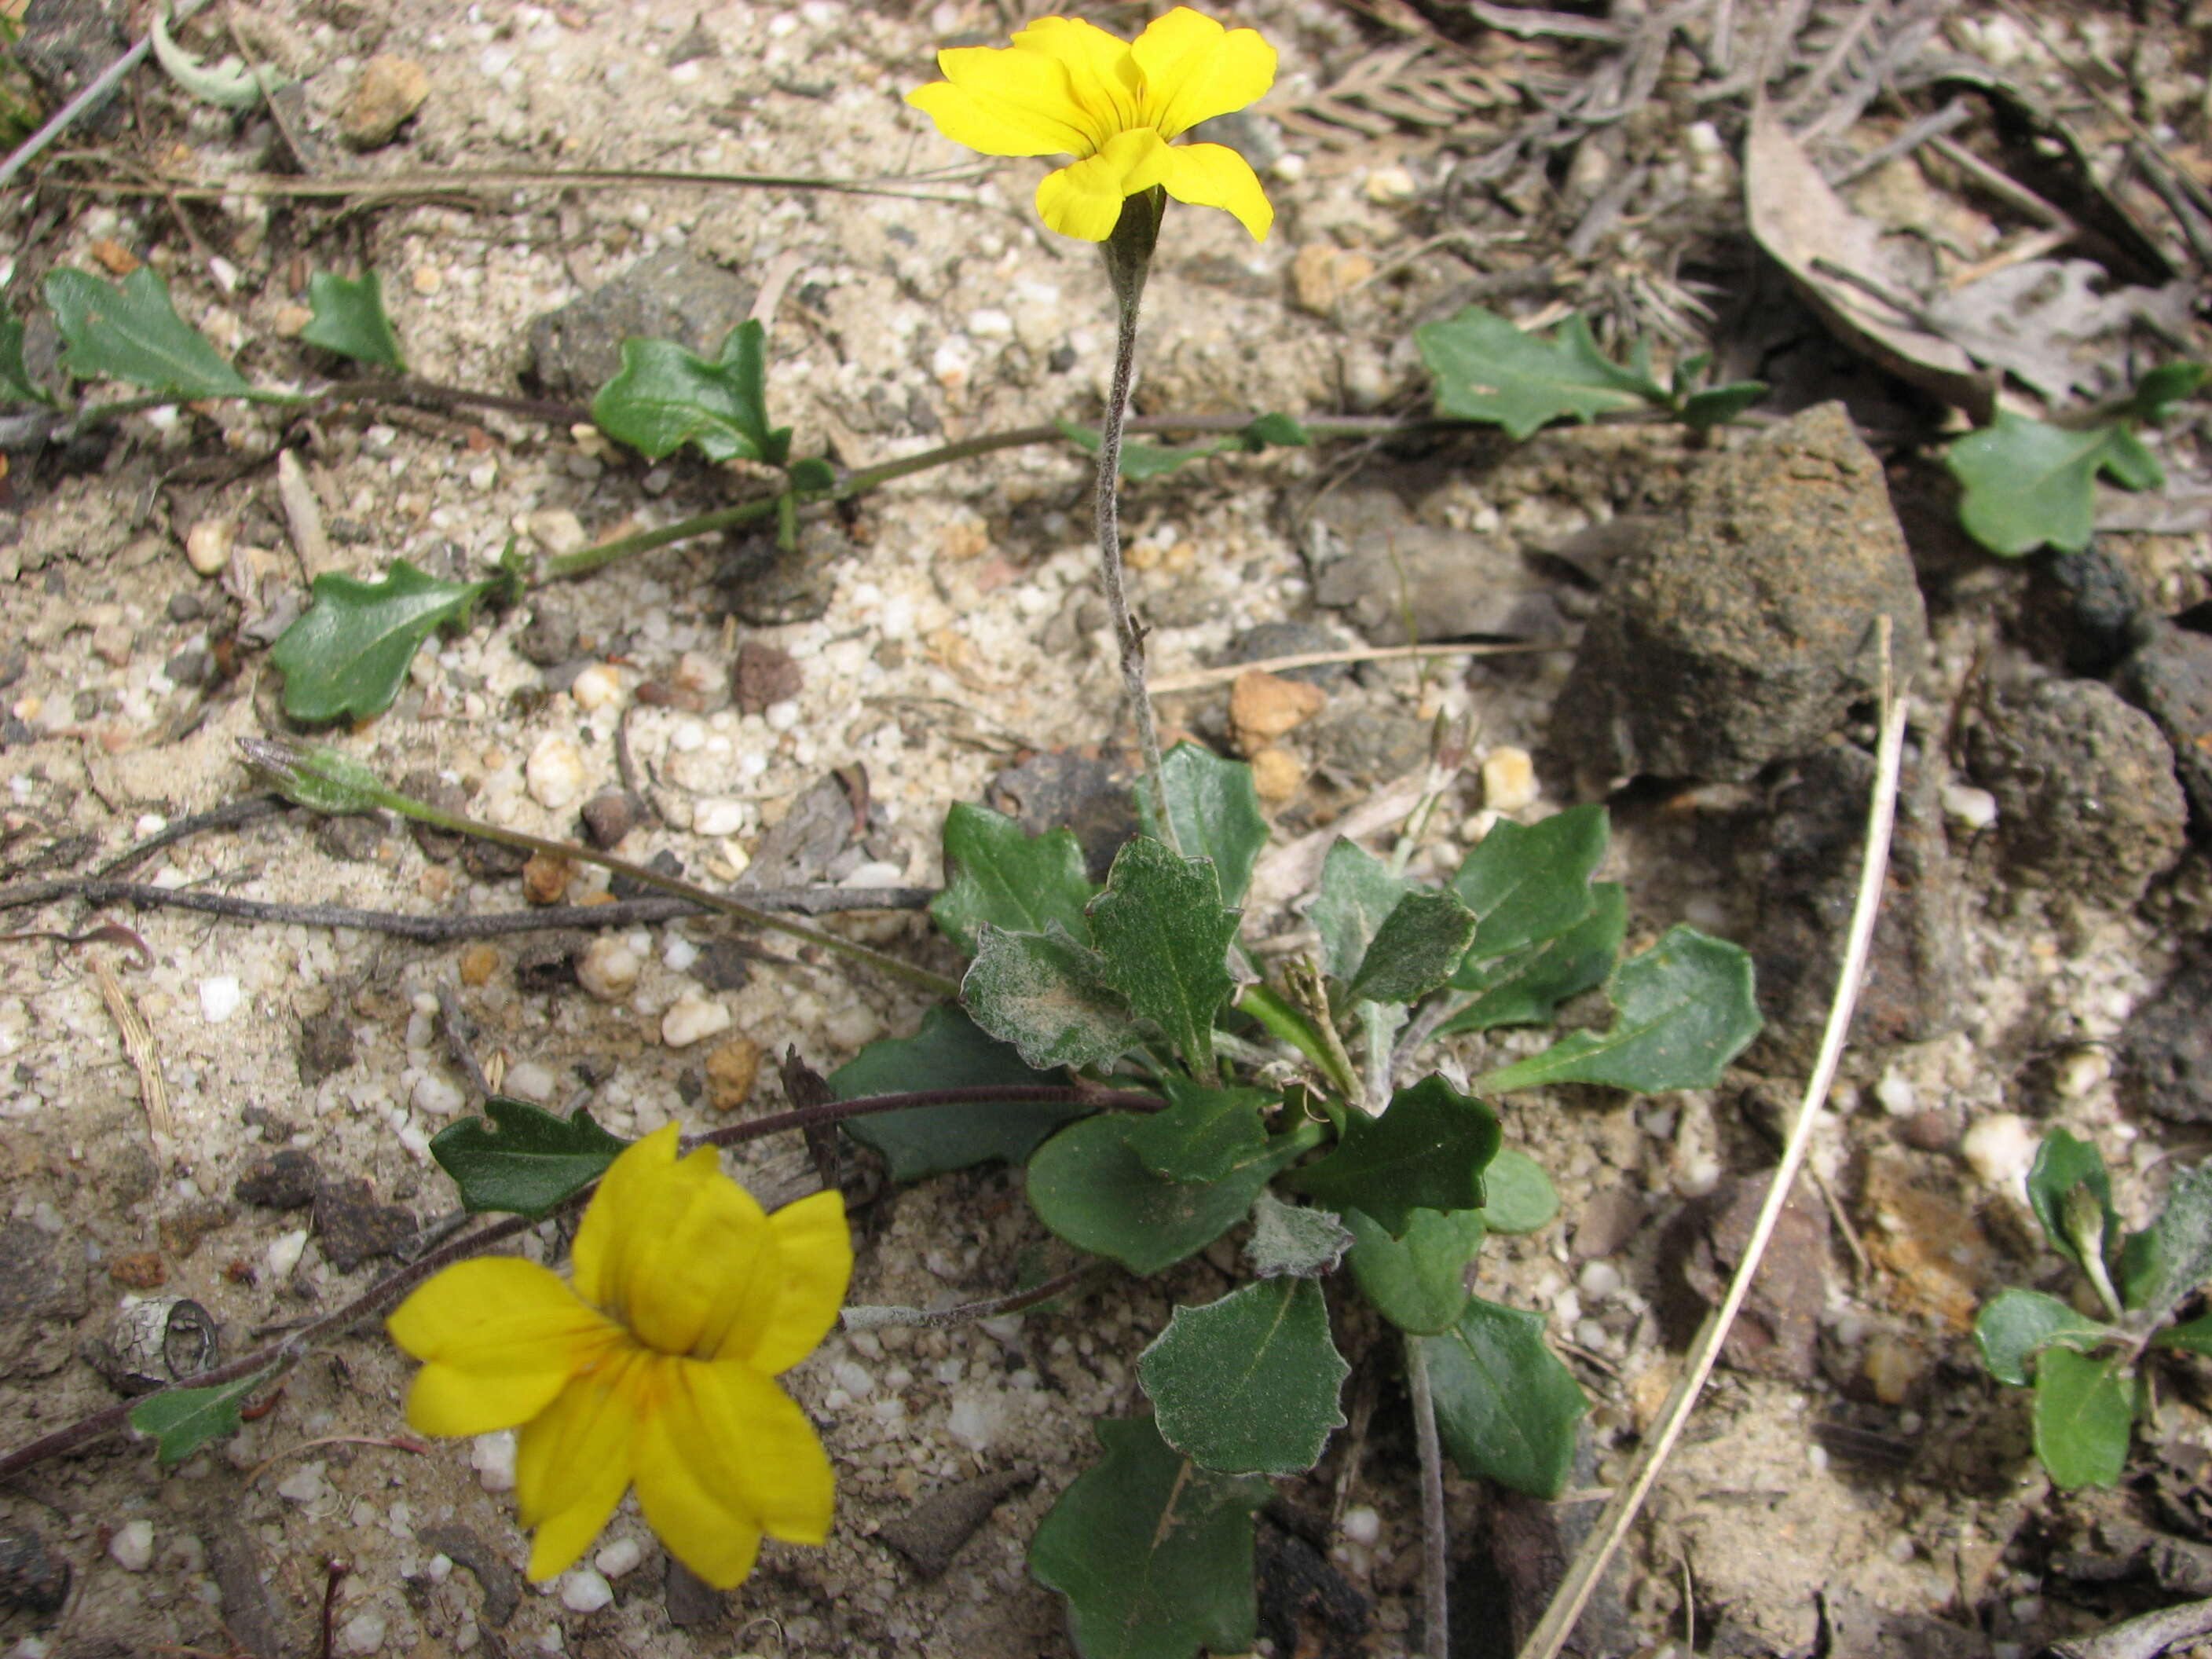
{"points": [[1128, 261], [346, 787], [388, 1289], [1286, 1023]]}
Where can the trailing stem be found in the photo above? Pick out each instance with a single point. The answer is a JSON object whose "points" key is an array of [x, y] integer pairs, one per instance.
{"points": [[1436, 1555], [1128, 259]]}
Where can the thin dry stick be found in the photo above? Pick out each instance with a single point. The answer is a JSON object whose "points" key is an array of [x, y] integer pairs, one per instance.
{"points": [[1436, 1554], [1197, 679], [138, 1044], [1574, 1591]]}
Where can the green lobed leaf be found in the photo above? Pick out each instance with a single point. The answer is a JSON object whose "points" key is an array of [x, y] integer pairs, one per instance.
{"points": [[2169, 1258], [812, 475], [996, 872], [2061, 1163], [1091, 1189], [1163, 936], [132, 332], [1517, 1196], [182, 1420], [347, 655], [1249, 1384], [1204, 1133], [2028, 484], [1486, 369], [1048, 996], [2158, 390], [948, 1052], [2017, 1325], [1506, 1408], [2084, 1413], [1216, 811], [16, 386], [1529, 882], [525, 1159], [1417, 947], [349, 318], [1278, 430], [1153, 1554], [1292, 1238], [1418, 1282], [1683, 1010], [665, 397], [1716, 405], [1357, 892], [1426, 1152], [1526, 986], [2190, 1336]]}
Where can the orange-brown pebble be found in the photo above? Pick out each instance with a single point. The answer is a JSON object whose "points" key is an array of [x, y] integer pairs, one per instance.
{"points": [[141, 1270], [731, 1070], [546, 878], [478, 964]]}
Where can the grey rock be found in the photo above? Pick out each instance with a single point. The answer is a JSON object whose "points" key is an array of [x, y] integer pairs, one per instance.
{"points": [[439, 846], [492, 860], [1062, 788], [667, 296], [1291, 639], [1742, 632], [2165, 1052], [1912, 990], [610, 816], [189, 668], [501, 1584], [802, 845], [1362, 748], [549, 639], [689, 1599], [287, 1180], [2169, 677], [932, 1532], [34, 1576], [663, 863], [1391, 574], [353, 1228], [351, 838], [766, 586], [325, 1046], [65, 47], [2087, 799], [42, 1287], [2082, 609], [721, 965]]}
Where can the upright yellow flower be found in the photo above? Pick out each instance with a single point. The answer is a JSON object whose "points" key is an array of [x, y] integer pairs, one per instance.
{"points": [[1069, 87], [653, 1364]]}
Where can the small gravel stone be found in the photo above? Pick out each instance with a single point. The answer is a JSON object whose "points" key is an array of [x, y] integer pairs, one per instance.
{"points": [[389, 91], [610, 816], [1509, 780], [596, 687], [326, 1046], [284, 1253], [1277, 775], [608, 969], [583, 1590], [718, 817], [546, 876], [352, 1227], [731, 1070], [1263, 707], [287, 1180], [555, 772], [550, 638], [479, 964], [693, 1019], [132, 1547], [207, 545], [622, 1556], [764, 674], [304, 1484], [435, 1097], [492, 1456], [33, 1575], [220, 998], [1975, 809], [1999, 1149], [362, 1633]]}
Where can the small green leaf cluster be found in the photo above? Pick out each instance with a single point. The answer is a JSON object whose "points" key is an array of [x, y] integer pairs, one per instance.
{"points": [[1486, 369], [1141, 458], [2087, 1372], [2030, 483], [1278, 1104]]}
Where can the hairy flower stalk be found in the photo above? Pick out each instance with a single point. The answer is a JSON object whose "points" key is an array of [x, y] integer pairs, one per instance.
{"points": [[1065, 86]]}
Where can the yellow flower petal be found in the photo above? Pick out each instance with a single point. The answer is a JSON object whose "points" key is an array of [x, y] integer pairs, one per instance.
{"points": [[1195, 70], [502, 1336], [1006, 101], [573, 1460], [1214, 175], [725, 1457], [813, 1259], [1086, 199], [1101, 77], [673, 1248]]}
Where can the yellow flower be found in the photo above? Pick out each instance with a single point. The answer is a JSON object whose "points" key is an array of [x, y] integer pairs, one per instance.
{"points": [[653, 1366], [1066, 86]]}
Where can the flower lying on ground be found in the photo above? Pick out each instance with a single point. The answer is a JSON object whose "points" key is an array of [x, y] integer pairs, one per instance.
{"points": [[1068, 87], [653, 1366]]}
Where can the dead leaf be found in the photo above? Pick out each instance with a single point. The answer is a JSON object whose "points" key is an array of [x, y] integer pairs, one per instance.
{"points": [[2046, 324], [1812, 232]]}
